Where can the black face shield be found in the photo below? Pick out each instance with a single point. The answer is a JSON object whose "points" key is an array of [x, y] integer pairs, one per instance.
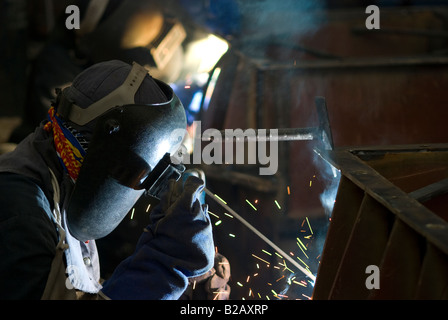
{"points": [[129, 154]]}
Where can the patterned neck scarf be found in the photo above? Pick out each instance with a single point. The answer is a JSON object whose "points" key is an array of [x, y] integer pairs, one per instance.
{"points": [[70, 147]]}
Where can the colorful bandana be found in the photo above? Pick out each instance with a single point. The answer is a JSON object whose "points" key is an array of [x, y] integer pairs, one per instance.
{"points": [[69, 149]]}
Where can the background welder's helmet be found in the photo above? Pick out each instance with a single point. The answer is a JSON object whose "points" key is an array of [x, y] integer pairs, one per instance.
{"points": [[128, 118], [133, 30]]}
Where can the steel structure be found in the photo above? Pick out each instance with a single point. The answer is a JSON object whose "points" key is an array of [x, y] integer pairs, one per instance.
{"points": [[391, 212]]}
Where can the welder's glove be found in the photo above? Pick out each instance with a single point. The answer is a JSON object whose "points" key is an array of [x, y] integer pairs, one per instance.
{"points": [[176, 245], [213, 285]]}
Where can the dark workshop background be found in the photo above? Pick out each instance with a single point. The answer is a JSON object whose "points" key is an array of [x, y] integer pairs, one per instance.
{"points": [[382, 88]]}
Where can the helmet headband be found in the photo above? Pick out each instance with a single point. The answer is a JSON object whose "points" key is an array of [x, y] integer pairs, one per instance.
{"points": [[122, 95]]}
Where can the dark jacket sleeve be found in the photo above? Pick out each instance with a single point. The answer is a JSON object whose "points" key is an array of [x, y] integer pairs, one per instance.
{"points": [[28, 238]]}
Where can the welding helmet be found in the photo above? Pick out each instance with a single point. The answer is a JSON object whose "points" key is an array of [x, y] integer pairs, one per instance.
{"points": [[129, 118]]}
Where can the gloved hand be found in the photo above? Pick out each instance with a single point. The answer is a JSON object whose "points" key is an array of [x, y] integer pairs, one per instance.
{"points": [[197, 173], [176, 245], [213, 285]]}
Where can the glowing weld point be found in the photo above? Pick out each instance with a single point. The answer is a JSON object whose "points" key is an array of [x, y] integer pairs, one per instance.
{"points": [[251, 205]]}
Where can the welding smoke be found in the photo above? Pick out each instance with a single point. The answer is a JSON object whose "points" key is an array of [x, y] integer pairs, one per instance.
{"points": [[276, 22], [331, 177]]}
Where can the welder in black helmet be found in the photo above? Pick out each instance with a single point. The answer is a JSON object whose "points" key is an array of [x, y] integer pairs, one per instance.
{"points": [[127, 30], [107, 141]]}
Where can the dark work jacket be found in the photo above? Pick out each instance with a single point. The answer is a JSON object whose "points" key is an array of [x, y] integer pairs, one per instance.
{"points": [[28, 236]]}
